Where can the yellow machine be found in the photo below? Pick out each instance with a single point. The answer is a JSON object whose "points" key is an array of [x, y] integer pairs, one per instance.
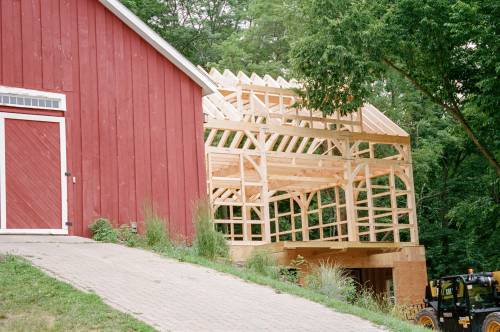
{"points": [[463, 303]]}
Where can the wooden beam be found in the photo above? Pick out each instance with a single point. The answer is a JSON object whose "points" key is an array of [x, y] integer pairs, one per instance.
{"points": [[306, 132]]}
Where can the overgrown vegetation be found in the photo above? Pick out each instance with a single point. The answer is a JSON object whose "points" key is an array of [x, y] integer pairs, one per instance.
{"points": [[263, 263], [32, 301], [332, 281], [156, 232], [129, 237], [103, 231], [208, 242]]}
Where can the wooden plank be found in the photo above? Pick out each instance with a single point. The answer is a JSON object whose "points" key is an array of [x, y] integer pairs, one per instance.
{"points": [[175, 149], [306, 132], [16, 50], [56, 46], [12, 72], [342, 245], [89, 107], [142, 143], [124, 123], [200, 148], [31, 44], [189, 151], [67, 55], [107, 116], [48, 39], [159, 172], [370, 208]]}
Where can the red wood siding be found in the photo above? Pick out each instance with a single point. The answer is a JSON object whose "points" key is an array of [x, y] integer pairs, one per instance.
{"points": [[134, 132], [33, 174]]}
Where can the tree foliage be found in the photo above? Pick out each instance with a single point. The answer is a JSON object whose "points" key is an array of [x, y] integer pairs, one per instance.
{"points": [[263, 46], [457, 195], [194, 27], [447, 49]]}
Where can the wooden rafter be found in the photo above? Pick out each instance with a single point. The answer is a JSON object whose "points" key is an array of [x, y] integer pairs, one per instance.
{"points": [[344, 178]]}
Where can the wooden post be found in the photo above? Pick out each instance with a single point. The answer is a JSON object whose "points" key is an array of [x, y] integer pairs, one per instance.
{"points": [[247, 230], [411, 198], [264, 194], [209, 184], [394, 205], [304, 208], [352, 227], [337, 212], [369, 197]]}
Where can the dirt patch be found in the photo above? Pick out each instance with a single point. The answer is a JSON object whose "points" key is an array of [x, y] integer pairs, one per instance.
{"points": [[27, 321]]}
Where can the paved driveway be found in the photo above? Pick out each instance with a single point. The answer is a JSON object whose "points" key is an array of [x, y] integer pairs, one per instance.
{"points": [[174, 296]]}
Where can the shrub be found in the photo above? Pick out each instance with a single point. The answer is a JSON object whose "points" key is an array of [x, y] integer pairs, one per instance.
{"points": [[156, 232], [208, 242], [102, 231], [261, 262], [333, 281], [129, 237], [293, 272]]}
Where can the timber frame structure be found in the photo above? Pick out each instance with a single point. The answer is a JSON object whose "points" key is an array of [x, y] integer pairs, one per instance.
{"points": [[276, 172]]}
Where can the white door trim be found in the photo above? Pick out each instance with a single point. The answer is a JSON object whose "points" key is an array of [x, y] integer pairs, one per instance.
{"points": [[64, 185]]}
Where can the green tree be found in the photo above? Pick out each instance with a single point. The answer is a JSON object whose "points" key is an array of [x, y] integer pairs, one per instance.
{"points": [[449, 50], [263, 45], [458, 199], [194, 27]]}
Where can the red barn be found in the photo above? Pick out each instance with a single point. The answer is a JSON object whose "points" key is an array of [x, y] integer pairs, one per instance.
{"points": [[98, 116]]}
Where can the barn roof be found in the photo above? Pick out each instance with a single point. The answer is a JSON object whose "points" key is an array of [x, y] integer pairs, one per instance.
{"points": [[162, 46]]}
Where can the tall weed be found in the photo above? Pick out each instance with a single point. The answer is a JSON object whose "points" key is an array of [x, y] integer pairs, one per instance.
{"points": [[366, 298], [333, 281], [156, 233], [261, 262], [208, 242]]}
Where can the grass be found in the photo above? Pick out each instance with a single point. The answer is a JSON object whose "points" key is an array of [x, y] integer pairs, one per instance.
{"points": [[30, 300]]}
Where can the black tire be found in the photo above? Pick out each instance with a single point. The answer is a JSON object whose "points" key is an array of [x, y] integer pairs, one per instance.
{"points": [[428, 318], [492, 323]]}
